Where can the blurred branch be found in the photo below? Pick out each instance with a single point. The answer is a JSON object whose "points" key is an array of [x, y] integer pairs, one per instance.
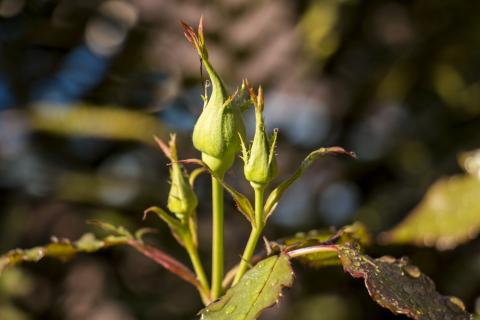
{"points": [[94, 121]]}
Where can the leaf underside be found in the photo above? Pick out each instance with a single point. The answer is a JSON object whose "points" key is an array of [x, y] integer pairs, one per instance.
{"points": [[401, 287], [448, 215], [258, 289]]}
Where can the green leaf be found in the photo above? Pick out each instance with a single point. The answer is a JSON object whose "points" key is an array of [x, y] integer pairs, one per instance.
{"points": [[61, 249], [448, 215], [194, 175], [175, 226], [117, 230], [89, 243], [243, 204], [277, 193], [356, 232], [315, 247], [401, 287], [140, 233], [258, 289]]}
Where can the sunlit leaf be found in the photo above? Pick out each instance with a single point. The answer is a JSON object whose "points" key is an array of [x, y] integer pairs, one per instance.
{"points": [[65, 249], [448, 215], [401, 287], [277, 193], [89, 243], [258, 289], [355, 232], [299, 245]]}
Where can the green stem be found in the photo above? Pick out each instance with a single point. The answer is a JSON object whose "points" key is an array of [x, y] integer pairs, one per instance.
{"points": [[254, 235], [217, 238], [199, 271]]}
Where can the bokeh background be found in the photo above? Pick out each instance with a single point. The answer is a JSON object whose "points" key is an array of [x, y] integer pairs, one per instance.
{"points": [[85, 84]]}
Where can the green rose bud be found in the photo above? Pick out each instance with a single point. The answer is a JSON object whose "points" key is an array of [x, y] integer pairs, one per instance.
{"points": [[216, 133], [182, 200], [260, 160]]}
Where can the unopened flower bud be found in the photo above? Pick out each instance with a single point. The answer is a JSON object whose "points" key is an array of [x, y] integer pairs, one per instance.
{"points": [[260, 160], [216, 132], [182, 200]]}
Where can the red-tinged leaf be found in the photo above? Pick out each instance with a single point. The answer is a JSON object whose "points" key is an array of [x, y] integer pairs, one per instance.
{"points": [[166, 261], [163, 146], [196, 38], [200, 29], [65, 249], [401, 287], [188, 32]]}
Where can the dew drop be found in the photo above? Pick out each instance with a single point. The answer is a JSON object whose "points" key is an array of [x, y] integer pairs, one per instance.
{"points": [[456, 301], [387, 259], [412, 271]]}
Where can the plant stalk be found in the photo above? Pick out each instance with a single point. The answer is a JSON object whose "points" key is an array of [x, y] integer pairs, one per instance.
{"points": [[217, 238], [254, 235]]}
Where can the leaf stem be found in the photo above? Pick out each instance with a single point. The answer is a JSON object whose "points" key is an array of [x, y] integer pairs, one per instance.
{"points": [[199, 271], [315, 249], [217, 238], [254, 235]]}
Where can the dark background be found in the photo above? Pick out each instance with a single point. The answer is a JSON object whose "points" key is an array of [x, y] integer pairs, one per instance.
{"points": [[85, 84]]}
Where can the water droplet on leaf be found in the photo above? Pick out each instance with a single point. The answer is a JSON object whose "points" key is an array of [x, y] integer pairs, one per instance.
{"points": [[456, 301], [412, 271], [387, 259]]}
